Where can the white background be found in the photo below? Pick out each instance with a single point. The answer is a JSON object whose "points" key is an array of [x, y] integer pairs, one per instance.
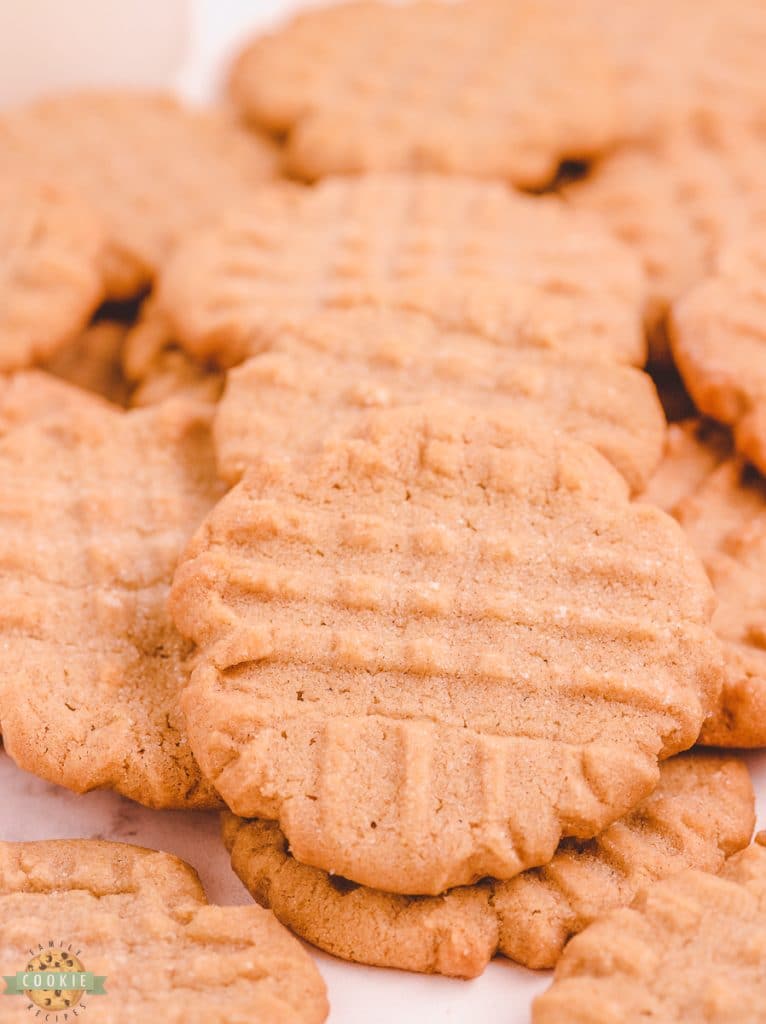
{"points": [[36, 810]]}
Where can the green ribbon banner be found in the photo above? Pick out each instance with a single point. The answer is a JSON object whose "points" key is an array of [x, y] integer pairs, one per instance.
{"points": [[39, 981]]}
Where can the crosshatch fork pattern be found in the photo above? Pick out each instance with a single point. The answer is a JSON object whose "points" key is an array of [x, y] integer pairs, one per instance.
{"points": [[529, 273], [700, 813], [691, 948], [382, 623], [319, 377]]}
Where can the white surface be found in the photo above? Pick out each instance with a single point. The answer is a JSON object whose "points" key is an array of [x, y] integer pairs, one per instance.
{"points": [[49, 44], [37, 810]]}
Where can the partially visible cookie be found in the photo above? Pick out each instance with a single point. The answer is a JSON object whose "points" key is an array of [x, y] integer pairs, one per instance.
{"points": [[158, 368], [721, 504], [691, 948], [151, 168], [700, 813], [676, 204], [320, 377], [139, 920], [694, 448], [432, 650], [50, 274], [95, 508], [475, 256], [718, 334], [481, 88], [92, 361]]}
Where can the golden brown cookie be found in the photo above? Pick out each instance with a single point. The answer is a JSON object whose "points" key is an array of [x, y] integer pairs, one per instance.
{"points": [[691, 948], [151, 168], [483, 88], [721, 504], [475, 256], [700, 813], [431, 651], [92, 361], [676, 204], [718, 333], [139, 922], [50, 278], [95, 507], [158, 368], [320, 377]]}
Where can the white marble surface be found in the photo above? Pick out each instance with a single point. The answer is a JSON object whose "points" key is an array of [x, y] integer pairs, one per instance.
{"points": [[33, 809]]}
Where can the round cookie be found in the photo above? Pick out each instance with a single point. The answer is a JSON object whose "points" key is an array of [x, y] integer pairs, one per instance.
{"points": [[138, 921], [321, 376], [433, 650], [475, 256], [721, 504], [50, 278], [718, 334], [690, 949], [482, 88], [700, 813], [151, 168], [676, 204], [95, 508], [158, 368]]}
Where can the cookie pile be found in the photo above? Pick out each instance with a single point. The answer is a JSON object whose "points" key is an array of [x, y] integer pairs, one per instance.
{"points": [[336, 492]]}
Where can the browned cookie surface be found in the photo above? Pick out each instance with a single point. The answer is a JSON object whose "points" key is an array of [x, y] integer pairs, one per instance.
{"points": [[139, 921], [433, 650], [700, 813]]}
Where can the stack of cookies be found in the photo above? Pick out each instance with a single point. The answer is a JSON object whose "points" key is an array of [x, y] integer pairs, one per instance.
{"points": [[382, 464]]}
